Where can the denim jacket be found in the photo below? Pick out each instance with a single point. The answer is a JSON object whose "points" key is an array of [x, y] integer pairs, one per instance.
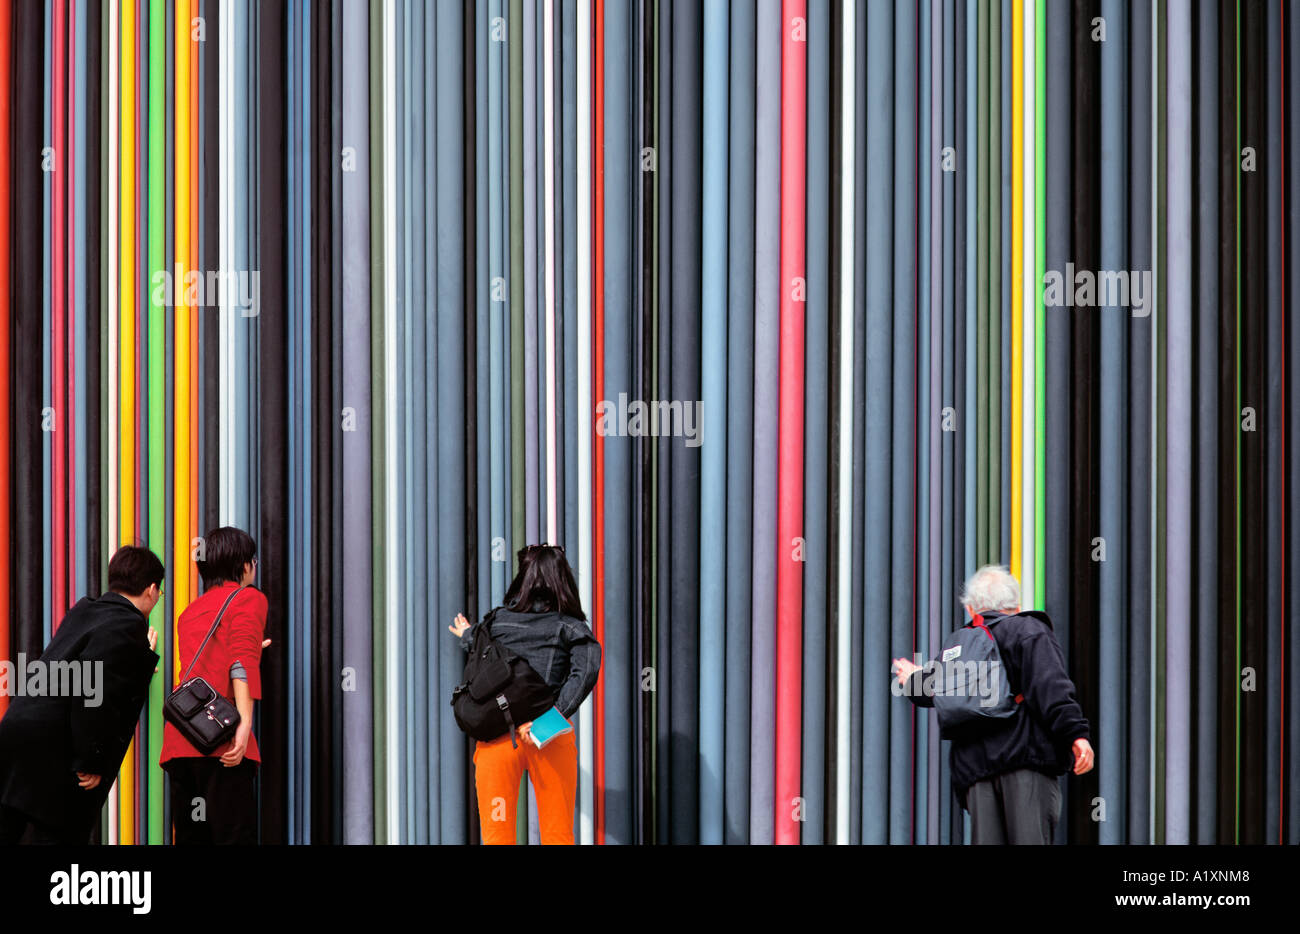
{"points": [[561, 649]]}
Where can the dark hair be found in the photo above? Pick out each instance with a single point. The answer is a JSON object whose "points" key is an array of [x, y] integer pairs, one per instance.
{"points": [[132, 569], [225, 552], [544, 578]]}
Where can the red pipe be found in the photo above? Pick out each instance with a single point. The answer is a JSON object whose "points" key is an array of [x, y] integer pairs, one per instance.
{"points": [[69, 597], [789, 522]]}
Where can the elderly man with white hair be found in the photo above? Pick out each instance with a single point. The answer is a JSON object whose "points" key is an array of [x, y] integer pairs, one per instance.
{"points": [[1005, 769]]}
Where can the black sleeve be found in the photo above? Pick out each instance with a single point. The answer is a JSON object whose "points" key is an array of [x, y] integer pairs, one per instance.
{"points": [[584, 667], [916, 690], [124, 665], [1047, 687]]}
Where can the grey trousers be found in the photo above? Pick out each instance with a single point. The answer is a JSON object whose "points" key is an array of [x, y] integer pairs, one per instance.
{"points": [[1015, 807]]}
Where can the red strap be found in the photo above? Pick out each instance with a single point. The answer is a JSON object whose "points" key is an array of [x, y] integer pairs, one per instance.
{"points": [[979, 621]]}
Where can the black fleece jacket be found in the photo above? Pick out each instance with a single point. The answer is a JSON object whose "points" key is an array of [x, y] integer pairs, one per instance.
{"points": [[46, 740], [1044, 727]]}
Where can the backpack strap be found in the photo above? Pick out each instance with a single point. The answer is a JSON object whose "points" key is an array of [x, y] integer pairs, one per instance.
{"points": [[502, 703], [510, 721], [978, 621], [483, 626], [502, 651]]}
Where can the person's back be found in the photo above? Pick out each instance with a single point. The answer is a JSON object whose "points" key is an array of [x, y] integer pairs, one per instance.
{"points": [[553, 637], [549, 641], [1028, 739], [68, 645], [1005, 769], [237, 639], [225, 780], [60, 748]]}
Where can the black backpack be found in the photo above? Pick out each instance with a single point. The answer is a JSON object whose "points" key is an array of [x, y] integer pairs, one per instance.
{"points": [[499, 690], [960, 701]]}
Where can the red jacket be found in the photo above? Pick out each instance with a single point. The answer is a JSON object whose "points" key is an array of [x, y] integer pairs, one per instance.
{"points": [[237, 639]]}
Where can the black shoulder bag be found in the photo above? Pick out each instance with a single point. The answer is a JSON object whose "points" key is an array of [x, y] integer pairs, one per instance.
{"points": [[500, 689], [204, 717]]}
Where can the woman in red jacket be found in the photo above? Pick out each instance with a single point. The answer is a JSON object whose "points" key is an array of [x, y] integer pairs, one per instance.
{"points": [[214, 797]]}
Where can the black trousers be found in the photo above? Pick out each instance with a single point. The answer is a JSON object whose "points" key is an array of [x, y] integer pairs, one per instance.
{"points": [[1015, 807], [16, 827], [213, 804]]}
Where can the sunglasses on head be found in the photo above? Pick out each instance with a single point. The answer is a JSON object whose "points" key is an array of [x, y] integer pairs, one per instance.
{"points": [[533, 549]]}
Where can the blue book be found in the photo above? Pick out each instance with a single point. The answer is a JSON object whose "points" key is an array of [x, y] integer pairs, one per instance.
{"points": [[548, 726]]}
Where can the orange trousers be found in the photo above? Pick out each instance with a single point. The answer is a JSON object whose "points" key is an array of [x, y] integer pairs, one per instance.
{"points": [[498, 768]]}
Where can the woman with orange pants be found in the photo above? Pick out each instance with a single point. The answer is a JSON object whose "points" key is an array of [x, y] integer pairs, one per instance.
{"points": [[542, 621]]}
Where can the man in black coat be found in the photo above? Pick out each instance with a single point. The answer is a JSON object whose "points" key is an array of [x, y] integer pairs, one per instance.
{"points": [[60, 753], [1004, 771]]}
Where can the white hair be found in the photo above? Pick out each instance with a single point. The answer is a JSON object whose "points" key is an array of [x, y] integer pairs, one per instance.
{"points": [[991, 588]]}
